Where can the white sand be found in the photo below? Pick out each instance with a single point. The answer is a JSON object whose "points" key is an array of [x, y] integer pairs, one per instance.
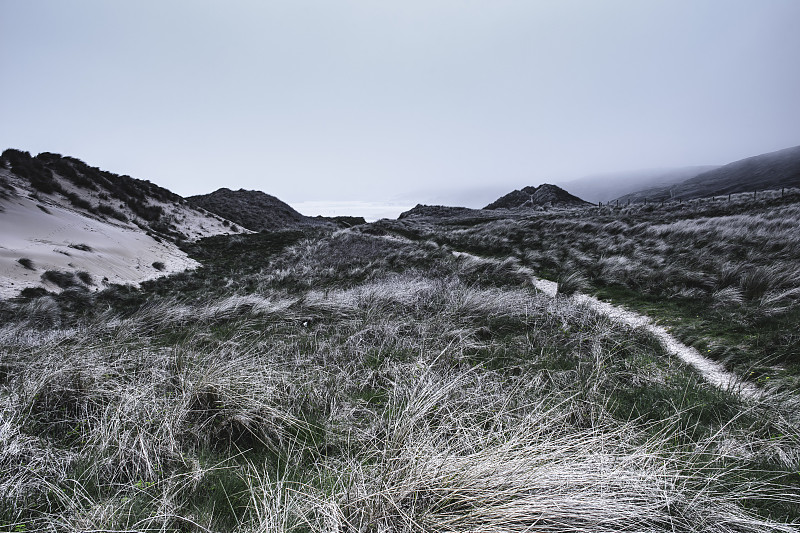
{"points": [[187, 219], [120, 253]]}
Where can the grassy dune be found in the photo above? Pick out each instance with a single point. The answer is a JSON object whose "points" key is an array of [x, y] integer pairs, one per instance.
{"points": [[357, 382], [724, 275]]}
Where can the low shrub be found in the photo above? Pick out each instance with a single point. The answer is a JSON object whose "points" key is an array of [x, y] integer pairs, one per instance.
{"points": [[33, 292], [64, 167], [85, 277], [571, 282], [39, 176], [107, 210], [26, 262], [79, 202], [59, 278]]}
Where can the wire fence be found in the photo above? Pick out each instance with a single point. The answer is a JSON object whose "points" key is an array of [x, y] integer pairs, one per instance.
{"points": [[739, 197]]}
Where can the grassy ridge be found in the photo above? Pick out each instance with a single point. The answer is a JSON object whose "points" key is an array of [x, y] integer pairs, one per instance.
{"points": [[724, 275], [353, 382]]}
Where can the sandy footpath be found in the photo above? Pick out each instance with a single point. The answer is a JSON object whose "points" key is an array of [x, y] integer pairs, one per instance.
{"points": [[712, 371], [112, 252]]}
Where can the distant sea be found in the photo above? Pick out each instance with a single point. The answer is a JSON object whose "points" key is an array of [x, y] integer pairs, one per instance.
{"points": [[371, 211]]}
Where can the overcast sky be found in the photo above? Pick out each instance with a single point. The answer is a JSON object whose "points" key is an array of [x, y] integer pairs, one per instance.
{"points": [[373, 101]]}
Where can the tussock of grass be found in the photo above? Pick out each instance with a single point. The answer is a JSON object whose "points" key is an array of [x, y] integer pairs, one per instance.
{"points": [[354, 383], [740, 258], [534, 471], [26, 263]]}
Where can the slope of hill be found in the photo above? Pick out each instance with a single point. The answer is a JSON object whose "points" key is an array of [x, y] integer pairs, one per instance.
{"points": [[66, 224], [443, 211], [545, 195], [260, 211], [380, 378], [606, 187], [773, 170], [255, 210]]}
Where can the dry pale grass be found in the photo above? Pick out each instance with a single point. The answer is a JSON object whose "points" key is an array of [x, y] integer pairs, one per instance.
{"points": [[396, 400]]}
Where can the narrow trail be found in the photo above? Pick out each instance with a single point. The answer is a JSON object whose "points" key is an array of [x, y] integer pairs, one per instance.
{"points": [[710, 370]]}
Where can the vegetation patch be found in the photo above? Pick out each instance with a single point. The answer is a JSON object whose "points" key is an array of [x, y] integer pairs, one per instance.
{"points": [[369, 379], [26, 263], [714, 271], [59, 278]]}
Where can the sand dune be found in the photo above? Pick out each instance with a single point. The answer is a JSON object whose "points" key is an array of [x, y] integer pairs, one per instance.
{"points": [[64, 239]]}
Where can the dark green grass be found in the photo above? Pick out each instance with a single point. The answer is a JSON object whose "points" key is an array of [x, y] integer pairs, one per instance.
{"points": [[350, 361], [224, 259], [672, 276], [760, 350]]}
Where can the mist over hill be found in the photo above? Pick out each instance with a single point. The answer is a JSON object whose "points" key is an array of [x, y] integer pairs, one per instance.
{"points": [[607, 187], [772, 170]]}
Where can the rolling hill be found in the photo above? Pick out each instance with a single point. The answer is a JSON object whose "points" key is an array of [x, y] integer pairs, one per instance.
{"points": [[545, 195], [260, 211], [606, 187], [456, 370], [254, 210], [772, 170]]}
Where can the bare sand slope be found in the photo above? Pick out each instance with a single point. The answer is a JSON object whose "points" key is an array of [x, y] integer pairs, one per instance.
{"points": [[59, 238]]}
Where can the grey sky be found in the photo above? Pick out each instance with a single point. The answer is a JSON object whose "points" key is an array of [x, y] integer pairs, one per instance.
{"points": [[317, 101]]}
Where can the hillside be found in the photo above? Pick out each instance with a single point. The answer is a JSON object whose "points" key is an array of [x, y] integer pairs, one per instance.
{"points": [[254, 210], [260, 211], [441, 211], [773, 170], [65, 224], [421, 375], [717, 271], [606, 187], [544, 196]]}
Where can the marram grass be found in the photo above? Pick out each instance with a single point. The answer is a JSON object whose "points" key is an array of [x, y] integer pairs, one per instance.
{"points": [[385, 387]]}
